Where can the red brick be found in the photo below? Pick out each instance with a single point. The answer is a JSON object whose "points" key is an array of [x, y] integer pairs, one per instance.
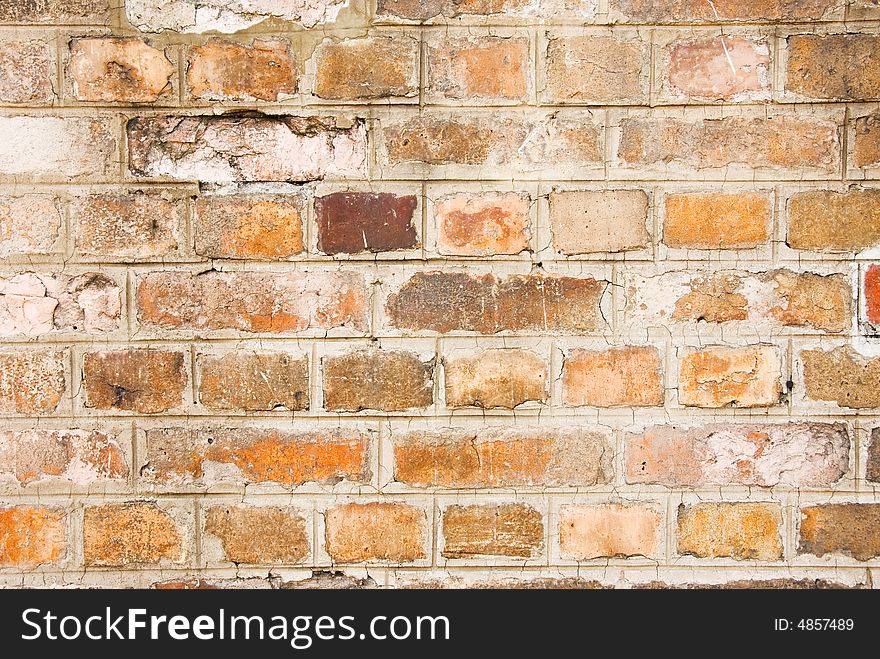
{"points": [[31, 536], [717, 220], [586, 221], [513, 529], [727, 376], [368, 68], [482, 224], [242, 532], [28, 72], [137, 380], [849, 529], [742, 531], [377, 379], [126, 534], [719, 69], [29, 224], [223, 70], [55, 12], [497, 377], [597, 69], [836, 66], [824, 220], [254, 381], [629, 376], [31, 382], [608, 531], [111, 69], [353, 222], [842, 376], [872, 293], [479, 68], [719, 11], [393, 532]]}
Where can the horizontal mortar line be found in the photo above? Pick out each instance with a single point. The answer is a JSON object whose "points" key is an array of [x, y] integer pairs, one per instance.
{"points": [[511, 180]]}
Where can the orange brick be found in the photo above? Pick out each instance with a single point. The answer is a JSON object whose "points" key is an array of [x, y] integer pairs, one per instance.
{"points": [[32, 381], [719, 69], [31, 536], [111, 69], [479, 68], [717, 220], [127, 534], [224, 70], [495, 378], [482, 224], [514, 529], [743, 531], [242, 533], [393, 532], [608, 531], [368, 68], [725, 376], [630, 376], [597, 70], [137, 380]]}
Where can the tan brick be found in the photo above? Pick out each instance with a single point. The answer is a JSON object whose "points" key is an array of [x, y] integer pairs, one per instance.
{"points": [[368, 68], [719, 69], [116, 69], [227, 15], [137, 380], [842, 376], [497, 377], [504, 457], [254, 381], [56, 12], [726, 376], [422, 10], [32, 381], [836, 66], [866, 150], [29, 224], [388, 380], [27, 72], [630, 376], [221, 70], [850, 529], [242, 532], [125, 534], [513, 529], [394, 532], [872, 464], [608, 531], [31, 536], [717, 220], [742, 531], [806, 299], [479, 68], [584, 221], [482, 224], [824, 220], [746, 11], [597, 69]]}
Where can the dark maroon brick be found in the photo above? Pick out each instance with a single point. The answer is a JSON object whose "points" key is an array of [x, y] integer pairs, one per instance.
{"points": [[352, 222]]}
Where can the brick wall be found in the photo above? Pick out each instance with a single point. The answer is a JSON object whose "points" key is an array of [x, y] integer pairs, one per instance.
{"points": [[440, 292]]}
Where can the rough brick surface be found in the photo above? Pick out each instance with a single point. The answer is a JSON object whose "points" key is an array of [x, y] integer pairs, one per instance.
{"points": [[596, 70], [122, 70], [224, 70], [742, 531], [866, 150], [119, 534], [29, 224], [630, 376], [393, 532], [842, 376], [608, 531], [254, 381], [242, 532], [506, 530], [377, 379], [741, 377], [55, 11], [138, 380], [717, 221], [76, 456], [842, 529], [606, 221], [31, 536], [495, 378], [353, 222], [371, 68], [27, 75], [834, 221], [719, 69], [479, 68], [839, 66], [31, 382], [872, 467], [482, 224]]}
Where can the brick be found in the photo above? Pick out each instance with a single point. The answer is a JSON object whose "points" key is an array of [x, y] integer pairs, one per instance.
{"points": [[513, 529], [393, 532], [482, 224], [221, 70], [608, 531], [787, 142], [249, 583], [850, 529], [423, 10], [866, 150], [730, 377], [223, 149], [354, 222], [254, 381], [836, 66], [249, 226], [137, 225], [125, 534], [796, 455], [134, 380], [27, 72], [330, 579], [824, 220], [808, 299], [31, 536], [630, 376], [253, 301], [478, 68], [497, 377], [31, 382], [33, 304], [748, 11], [208, 456], [742, 531], [584, 221], [842, 376], [504, 457], [368, 68], [717, 220], [719, 69], [77, 456], [388, 380], [872, 464], [596, 69], [414, 10], [755, 584], [242, 532], [514, 583], [447, 301], [57, 147], [118, 70], [872, 293], [95, 12], [29, 224]]}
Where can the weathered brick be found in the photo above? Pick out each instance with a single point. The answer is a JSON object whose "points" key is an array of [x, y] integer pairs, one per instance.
{"points": [[717, 220], [866, 150], [117, 69], [608, 531], [596, 69], [330, 579], [584, 221], [872, 464], [482, 224], [77, 456], [124, 534], [754, 584], [504, 457], [872, 293], [726, 376], [254, 381], [448, 301], [824, 220], [242, 532], [253, 301], [512, 583], [719, 11], [388, 380], [55, 12], [718, 69], [32, 381], [208, 456], [513, 529], [423, 10], [137, 380], [393, 532], [368, 68], [29, 224], [353, 222], [32, 304], [27, 72], [32, 535], [835, 66], [478, 68], [136, 226], [57, 147], [497, 377], [851, 529], [807, 299], [221, 70], [842, 376], [224, 149], [799, 455], [630, 376], [742, 531], [249, 226]]}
